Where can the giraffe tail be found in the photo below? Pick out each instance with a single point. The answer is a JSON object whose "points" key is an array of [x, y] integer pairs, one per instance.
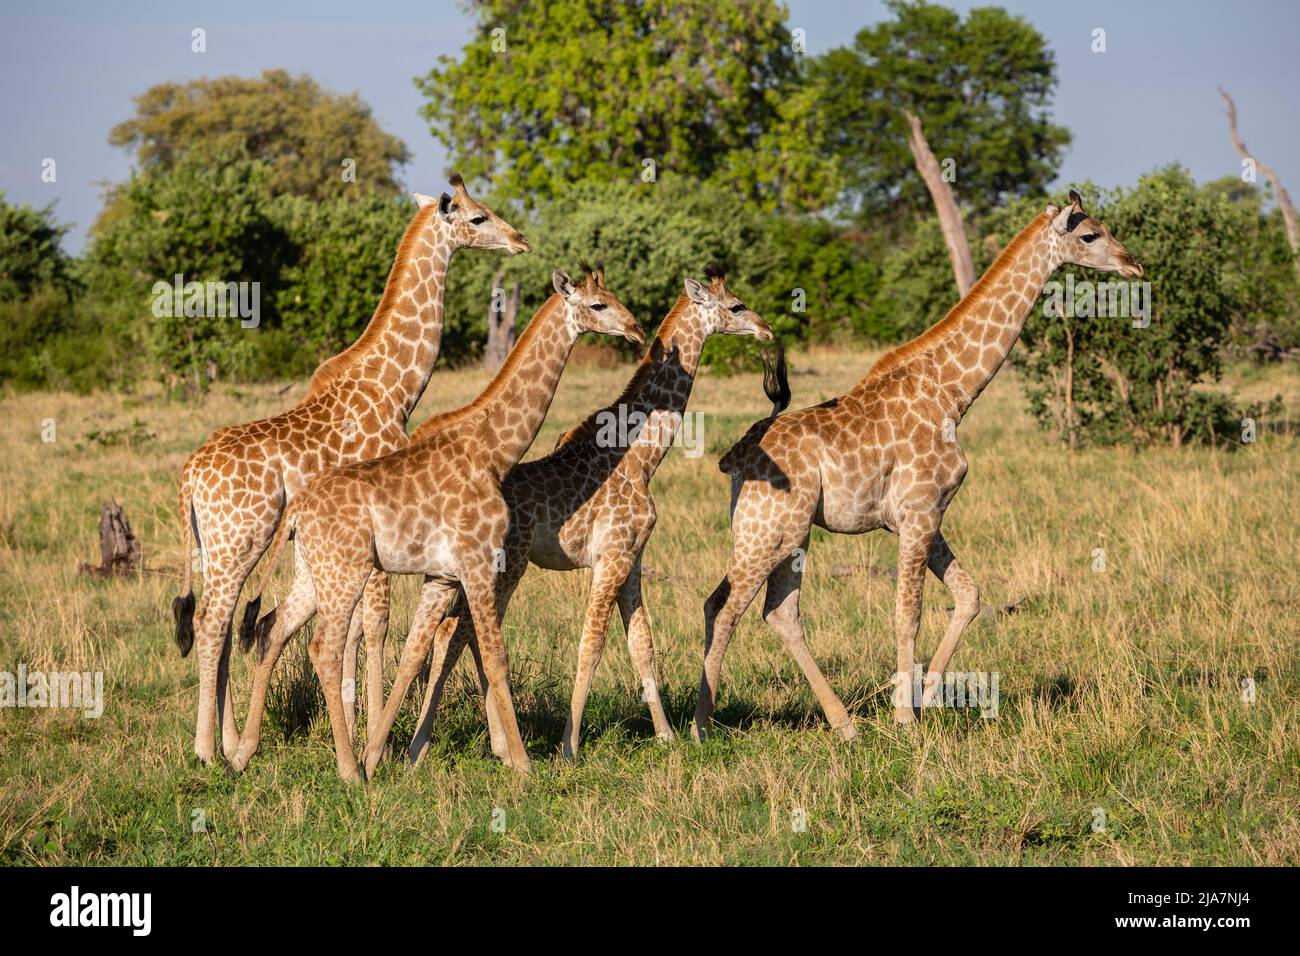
{"points": [[776, 381], [183, 606], [776, 386], [251, 630]]}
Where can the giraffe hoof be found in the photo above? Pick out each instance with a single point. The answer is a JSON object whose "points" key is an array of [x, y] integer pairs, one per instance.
{"points": [[848, 729], [701, 730]]}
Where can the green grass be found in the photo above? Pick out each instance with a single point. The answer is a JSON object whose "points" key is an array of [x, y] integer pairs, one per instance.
{"points": [[1118, 690]]}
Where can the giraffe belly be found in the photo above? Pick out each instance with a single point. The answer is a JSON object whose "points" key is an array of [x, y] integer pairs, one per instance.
{"points": [[549, 552], [406, 552], [850, 511]]}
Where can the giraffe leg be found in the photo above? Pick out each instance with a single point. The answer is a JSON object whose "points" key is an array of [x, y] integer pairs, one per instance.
{"points": [[480, 595], [224, 577], [640, 644], [376, 603], [915, 533], [338, 593], [435, 599], [453, 633], [729, 600], [496, 733], [294, 611], [966, 598], [781, 611], [349, 670], [606, 579]]}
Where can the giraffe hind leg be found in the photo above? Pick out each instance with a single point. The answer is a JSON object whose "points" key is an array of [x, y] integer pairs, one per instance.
{"points": [[781, 611]]}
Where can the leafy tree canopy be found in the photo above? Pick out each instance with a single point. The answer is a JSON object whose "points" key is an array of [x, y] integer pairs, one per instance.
{"points": [[573, 90], [981, 87], [301, 132], [30, 253]]}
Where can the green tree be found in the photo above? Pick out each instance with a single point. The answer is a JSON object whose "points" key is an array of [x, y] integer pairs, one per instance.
{"points": [[1141, 385], [571, 90], [303, 134], [31, 256], [206, 221], [334, 274], [649, 237], [981, 87], [1260, 271]]}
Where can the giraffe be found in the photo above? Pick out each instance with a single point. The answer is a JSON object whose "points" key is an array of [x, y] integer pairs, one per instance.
{"points": [[885, 455], [433, 508], [235, 486], [588, 505]]}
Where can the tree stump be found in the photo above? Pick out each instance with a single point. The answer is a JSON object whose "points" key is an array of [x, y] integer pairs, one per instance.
{"points": [[119, 548]]}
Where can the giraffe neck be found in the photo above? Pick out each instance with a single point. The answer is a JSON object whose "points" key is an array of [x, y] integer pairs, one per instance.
{"points": [[658, 391], [969, 345], [516, 401], [395, 354]]}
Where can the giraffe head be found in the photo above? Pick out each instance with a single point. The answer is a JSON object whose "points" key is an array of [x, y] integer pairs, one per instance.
{"points": [[1083, 241], [723, 310], [590, 307], [469, 223]]}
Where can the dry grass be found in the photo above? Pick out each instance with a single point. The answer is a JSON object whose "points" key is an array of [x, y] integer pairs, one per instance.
{"points": [[1119, 689]]}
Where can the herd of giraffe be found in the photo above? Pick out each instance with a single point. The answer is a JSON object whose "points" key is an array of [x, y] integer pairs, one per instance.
{"points": [[362, 500]]}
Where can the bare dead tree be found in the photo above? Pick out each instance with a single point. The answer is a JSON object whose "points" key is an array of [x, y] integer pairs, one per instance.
{"points": [[1279, 191], [945, 204], [501, 316]]}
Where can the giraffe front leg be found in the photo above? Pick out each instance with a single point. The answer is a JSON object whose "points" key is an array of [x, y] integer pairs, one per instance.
{"points": [[435, 599], [915, 533], [480, 594], [966, 600], [640, 644], [452, 635]]}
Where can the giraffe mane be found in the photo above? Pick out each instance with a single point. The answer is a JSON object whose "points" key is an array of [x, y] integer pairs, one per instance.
{"points": [[935, 333], [431, 427], [644, 370]]}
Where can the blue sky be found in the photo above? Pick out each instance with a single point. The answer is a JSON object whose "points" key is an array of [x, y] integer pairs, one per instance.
{"points": [[69, 69]]}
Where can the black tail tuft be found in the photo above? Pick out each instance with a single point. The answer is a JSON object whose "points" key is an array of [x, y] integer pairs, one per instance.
{"points": [[248, 626], [262, 634], [776, 383], [183, 611]]}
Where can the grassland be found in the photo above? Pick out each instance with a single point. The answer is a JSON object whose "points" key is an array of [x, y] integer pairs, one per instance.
{"points": [[1119, 689]]}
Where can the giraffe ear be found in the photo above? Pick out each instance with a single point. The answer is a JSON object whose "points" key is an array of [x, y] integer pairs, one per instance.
{"points": [[1076, 200], [422, 200], [1061, 221], [697, 293], [562, 283], [445, 207]]}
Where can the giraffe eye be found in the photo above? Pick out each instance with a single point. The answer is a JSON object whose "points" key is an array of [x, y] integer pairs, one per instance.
{"points": [[478, 220], [1090, 237], [738, 308], [598, 307]]}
